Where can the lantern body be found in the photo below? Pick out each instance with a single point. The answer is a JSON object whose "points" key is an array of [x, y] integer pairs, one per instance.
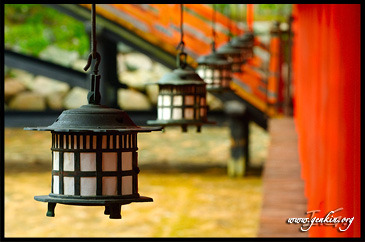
{"points": [[245, 43], [94, 159], [234, 55], [181, 100], [182, 103], [215, 70], [94, 165]]}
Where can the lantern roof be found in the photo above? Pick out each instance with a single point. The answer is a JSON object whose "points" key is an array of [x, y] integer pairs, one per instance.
{"points": [[229, 49], [181, 76], [215, 58], [94, 118], [245, 40]]}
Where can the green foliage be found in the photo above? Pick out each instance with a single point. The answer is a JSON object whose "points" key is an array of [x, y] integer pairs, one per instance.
{"points": [[262, 12], [30, 28]]}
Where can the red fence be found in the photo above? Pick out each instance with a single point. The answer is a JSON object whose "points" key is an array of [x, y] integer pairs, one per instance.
{"points": [[326, 66]]}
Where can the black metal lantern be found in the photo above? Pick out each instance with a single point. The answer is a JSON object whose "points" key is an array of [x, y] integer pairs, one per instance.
{"points": [[232, 53], [245, 42], [94, 153], [182, 96], [214, 68]]}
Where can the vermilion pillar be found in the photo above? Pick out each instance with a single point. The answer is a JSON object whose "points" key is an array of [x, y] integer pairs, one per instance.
{"points": [[326, 75]]}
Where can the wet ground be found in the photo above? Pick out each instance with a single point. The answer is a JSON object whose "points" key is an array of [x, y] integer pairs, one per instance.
{"points": [[184, 173]]}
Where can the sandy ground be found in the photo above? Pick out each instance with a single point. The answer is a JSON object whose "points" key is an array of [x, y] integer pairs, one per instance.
{"points": [[187, 178]]}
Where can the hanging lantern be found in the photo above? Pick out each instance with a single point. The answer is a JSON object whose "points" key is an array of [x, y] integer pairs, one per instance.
{"points": [[232, 53], [214, 68], [245, 43], [94, 153], [182, 96]]}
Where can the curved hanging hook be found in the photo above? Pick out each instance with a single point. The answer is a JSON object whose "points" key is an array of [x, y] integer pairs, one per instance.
{"points": [[181, 62], [93, 96], [96, 56]]}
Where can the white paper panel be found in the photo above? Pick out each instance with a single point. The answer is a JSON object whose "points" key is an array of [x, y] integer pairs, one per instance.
{"points": [[104, 143], [208, 73], [56, 184], [69, 185], [88, 186], [109, 186], [111, 142], [159, 100], [64, 141], [166, 100], [109, 161], [81, 142], [159, 113], [166, 113], [200, 72], [127, 161], [177, 113], [127, 185], [87, 161], [177, 100], [87, 145], [56, 162], [216, 74], [189, 100], [189, 113], [202, 112], [75, 141], [68, 161], [117, 140], [202, 101]]}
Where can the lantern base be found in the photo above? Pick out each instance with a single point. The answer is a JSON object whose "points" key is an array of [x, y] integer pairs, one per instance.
{"points": [[183, 123], [112, 205], [218, 89]]}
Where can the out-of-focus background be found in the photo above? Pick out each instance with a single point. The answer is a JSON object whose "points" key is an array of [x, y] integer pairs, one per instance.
{"points": [[301, 97], [185, 173]]}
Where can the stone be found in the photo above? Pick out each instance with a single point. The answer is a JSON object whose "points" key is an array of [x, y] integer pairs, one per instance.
{"points": [[138, 61], [12, 87], [213, 102], [55, 101], [138, 79], [59, 56], [28, 101], [160, 69], [152, 93], [24, 77], [47, 86], [129, 99], [124, 48], [79, 65], [120, 63], [76, 98]]}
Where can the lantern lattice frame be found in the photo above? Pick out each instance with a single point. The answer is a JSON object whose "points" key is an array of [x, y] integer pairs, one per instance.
{"points": [[216, 72]]}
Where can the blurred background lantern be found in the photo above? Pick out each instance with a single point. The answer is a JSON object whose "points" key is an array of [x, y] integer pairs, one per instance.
{"points": [[245, 42], [232, 53], [182, 94], [214, 68], [94, 153]]}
